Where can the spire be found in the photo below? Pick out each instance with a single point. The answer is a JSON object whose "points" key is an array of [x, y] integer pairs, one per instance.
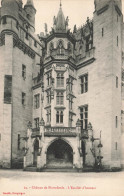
{"points": [[60, 20], [60, 4]]}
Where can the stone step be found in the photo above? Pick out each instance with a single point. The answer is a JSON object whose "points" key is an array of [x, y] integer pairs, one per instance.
{"points": [[32, 169], [59, 170]]}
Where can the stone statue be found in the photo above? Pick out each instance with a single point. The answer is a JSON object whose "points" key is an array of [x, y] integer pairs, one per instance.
{"points": [[54, 20], [67, 20]]}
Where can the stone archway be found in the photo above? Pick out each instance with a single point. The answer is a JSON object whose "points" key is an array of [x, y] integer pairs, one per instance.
{"points": [[36, 147], [59, 154]]}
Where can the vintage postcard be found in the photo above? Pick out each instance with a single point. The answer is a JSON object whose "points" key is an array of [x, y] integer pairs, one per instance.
{"points": [[62, 97]]}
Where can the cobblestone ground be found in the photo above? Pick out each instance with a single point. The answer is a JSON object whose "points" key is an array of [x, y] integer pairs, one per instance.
{"points": [[17, 182]]}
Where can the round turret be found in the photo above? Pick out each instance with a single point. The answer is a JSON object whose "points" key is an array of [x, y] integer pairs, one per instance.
{"points": [[10, 8], [31, 11]]}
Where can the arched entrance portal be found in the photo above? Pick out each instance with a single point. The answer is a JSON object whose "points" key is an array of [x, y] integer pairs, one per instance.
{"points": [[36, 147], [59, 154]]}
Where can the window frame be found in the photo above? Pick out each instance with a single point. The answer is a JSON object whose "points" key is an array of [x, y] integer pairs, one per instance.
{"points": [[23, 71], [60, 80], [59, 116], [48, 97], [48, 115], [84, 117], [23, 98], [36, 122], [116, 81], [19, 138], [84, 83], [117, 41], [49, 78], [36, 101], [102, 31], [70, 84], [59, 98]]}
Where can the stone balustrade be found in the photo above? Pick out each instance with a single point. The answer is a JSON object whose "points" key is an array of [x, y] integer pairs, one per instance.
{"points": [[60, 131]]}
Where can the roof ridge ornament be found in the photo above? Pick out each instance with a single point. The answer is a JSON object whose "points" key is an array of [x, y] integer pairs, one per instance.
{"points": [[60, 3]]}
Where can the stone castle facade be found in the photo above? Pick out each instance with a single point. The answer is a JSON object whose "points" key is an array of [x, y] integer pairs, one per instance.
{"points": [[62, 92]]}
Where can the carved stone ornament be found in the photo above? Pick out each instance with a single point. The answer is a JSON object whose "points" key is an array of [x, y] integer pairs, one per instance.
{"points": [[29, 125]]}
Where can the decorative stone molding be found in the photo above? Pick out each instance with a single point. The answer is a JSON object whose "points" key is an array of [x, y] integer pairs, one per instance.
{"points": [[26, 50], [78, 123]]}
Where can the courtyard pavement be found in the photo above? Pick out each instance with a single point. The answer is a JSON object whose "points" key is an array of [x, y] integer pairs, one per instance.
{"points": [[18, 182]]}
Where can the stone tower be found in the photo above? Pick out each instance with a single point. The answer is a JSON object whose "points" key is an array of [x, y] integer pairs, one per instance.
{"points": [[30, 11], [108, 43], [20, 51]]}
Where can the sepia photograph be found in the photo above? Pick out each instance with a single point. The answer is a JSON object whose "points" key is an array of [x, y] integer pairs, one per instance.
{"points": [[62, 97]]}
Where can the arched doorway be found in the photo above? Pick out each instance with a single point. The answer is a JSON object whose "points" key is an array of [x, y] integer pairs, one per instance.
{"points": [[36, 147], [59, 154]]}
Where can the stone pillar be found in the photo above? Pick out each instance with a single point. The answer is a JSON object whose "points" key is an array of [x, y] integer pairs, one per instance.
{"points": [[24, 162], [90, 159], [27, 153], [42, 127], [78, 131], [41, 142]]}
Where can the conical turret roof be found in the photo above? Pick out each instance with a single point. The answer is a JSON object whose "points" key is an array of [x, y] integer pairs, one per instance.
{"points": [[60, 20], [30, 2]]}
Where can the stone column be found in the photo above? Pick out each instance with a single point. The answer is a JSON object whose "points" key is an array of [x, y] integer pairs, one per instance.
{"points": [[90, 159], [79, 151], [41, 141], [27, 154]]}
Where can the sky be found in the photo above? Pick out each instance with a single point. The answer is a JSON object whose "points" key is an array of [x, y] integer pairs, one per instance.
{"points": [[76, 10]]}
